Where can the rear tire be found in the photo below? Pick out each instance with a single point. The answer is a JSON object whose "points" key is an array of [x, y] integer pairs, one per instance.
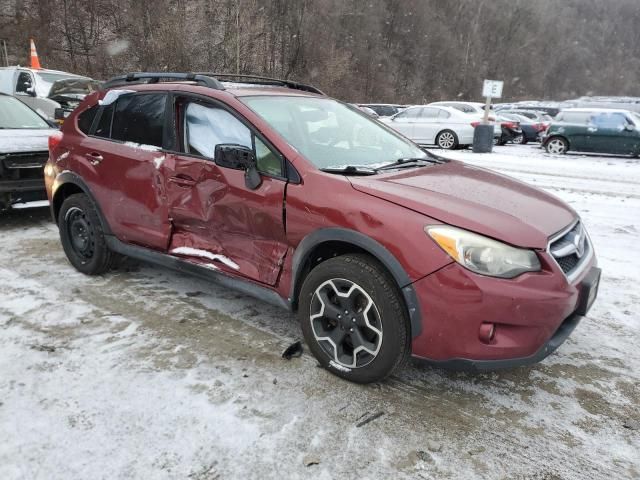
{"points": [[520, 139], [82, 236], [557, 146], [447, 139], [347, 306]]}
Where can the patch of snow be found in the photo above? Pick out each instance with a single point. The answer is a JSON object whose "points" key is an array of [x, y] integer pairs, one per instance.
{"points": [[194, 252], [36, 204], [142, 146], [113, 95], [158, 161]]}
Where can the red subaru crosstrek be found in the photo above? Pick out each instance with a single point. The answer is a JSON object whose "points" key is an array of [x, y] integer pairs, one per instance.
{"points": [[271, 187]]}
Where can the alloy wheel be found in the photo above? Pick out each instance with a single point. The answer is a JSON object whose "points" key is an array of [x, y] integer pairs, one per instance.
{"points": [[346, 323], [446, 140], [556, 146]]}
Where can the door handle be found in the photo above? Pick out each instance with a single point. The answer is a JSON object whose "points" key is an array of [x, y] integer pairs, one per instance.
{"points": [[94, 158], [592, 129], [183, 180]]}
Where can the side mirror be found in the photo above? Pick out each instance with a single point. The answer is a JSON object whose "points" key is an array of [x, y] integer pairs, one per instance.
{"points": [[60, 114], [239, 157], [31, 91], [629, 128]]}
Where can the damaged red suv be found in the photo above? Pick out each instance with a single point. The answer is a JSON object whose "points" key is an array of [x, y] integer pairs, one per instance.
{"points": [[269, 186]]}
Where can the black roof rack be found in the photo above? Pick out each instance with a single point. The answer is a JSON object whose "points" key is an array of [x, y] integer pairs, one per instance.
{"points": [[156, 77], [207, 79], [261, 80]]}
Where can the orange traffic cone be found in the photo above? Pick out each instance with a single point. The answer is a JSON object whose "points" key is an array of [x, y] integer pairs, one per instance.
{"points": [[35, 62]]}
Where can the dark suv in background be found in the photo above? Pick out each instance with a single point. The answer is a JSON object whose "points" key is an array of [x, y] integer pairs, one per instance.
{"points": [[270, 187], [24, 137]]}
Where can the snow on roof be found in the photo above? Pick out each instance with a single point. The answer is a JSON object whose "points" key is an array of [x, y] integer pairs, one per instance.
{"points": [[601, 110]]}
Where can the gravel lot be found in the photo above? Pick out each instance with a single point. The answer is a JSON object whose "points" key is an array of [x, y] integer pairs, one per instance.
{"points": [[145, 373]]}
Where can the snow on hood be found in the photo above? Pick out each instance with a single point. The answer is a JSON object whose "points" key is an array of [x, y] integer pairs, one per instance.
{"points": [[25, 140], [474, 199]]}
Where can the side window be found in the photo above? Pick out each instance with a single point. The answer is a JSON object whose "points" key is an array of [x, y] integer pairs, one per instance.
{"points": [[268, 161], [24, 83], [103, 129], [208, 126], [430, 113], [85, 119], [443, 114], [410, 113], [139, 119], [608, 120]]}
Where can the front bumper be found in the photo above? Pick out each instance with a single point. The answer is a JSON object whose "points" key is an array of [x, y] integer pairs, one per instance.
{"points": [[465, 364], [16, 186], [533, 315]]}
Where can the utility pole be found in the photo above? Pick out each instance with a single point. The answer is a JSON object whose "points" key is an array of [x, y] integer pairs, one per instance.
{"points": [[238, 39]]}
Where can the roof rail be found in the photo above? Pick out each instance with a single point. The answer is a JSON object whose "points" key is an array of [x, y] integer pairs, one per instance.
{"points": [[151, 77], [261, 80]]}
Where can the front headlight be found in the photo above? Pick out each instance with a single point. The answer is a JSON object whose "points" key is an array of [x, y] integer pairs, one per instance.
{"points": [[483, 255]]}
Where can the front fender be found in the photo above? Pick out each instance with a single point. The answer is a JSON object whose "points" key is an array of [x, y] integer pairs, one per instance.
{"points": [[371, 246]]}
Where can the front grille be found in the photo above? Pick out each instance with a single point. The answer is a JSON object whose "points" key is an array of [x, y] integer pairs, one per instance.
{"points": [[570, 249], [568, 263], [22, 166]]}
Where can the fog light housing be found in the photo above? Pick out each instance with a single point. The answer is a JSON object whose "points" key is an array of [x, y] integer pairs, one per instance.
{"points": [[487, 332]]}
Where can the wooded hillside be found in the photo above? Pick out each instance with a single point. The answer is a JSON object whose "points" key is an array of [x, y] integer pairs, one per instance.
{"points": [[405, 51]]}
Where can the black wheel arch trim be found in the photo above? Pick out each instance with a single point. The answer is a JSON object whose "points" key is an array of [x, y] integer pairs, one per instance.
{"points": [[66, 178], [369, 245]]}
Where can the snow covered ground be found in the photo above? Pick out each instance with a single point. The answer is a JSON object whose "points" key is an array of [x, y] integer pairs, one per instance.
{"points": [[145, 373]]}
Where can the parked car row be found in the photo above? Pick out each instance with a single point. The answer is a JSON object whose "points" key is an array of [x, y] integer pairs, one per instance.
{"points": [[451, 124]]}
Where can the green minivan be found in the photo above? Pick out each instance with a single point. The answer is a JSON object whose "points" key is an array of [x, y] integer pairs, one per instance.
{"points": [[596, 130]]}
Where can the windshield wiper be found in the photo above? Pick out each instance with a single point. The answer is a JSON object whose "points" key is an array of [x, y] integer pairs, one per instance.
{"points": [[351, 170], [409, 162]]}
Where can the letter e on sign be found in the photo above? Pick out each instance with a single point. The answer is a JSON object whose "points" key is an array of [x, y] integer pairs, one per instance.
{"points": [[492, 88]]}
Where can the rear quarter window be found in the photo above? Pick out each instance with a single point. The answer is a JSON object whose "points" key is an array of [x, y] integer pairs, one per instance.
{"points": [[140, 119], [103, 129], [85, 119]]}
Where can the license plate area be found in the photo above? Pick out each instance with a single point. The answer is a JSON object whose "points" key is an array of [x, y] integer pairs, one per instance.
{"points": [[589, 291]]}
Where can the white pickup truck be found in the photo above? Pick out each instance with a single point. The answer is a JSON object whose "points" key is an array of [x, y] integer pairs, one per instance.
{"points": [[32, 87]]}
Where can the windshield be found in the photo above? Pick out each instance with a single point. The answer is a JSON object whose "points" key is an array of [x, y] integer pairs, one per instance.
{"points": [[15, 114], [330, 134]]}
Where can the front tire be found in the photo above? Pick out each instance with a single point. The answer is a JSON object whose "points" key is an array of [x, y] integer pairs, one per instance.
{"points": [[353, 318], [447, 139], [557, 146], [82, 237]]}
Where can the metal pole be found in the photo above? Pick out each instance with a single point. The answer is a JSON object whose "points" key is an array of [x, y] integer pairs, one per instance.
{"points": [[487, 107]]}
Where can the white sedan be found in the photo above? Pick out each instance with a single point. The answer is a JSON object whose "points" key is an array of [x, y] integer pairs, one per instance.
{"points": [[445, 127]]}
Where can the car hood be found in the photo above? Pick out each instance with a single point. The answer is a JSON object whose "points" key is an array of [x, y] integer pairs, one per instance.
{"points": [[25, 140], [474, 199]]}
